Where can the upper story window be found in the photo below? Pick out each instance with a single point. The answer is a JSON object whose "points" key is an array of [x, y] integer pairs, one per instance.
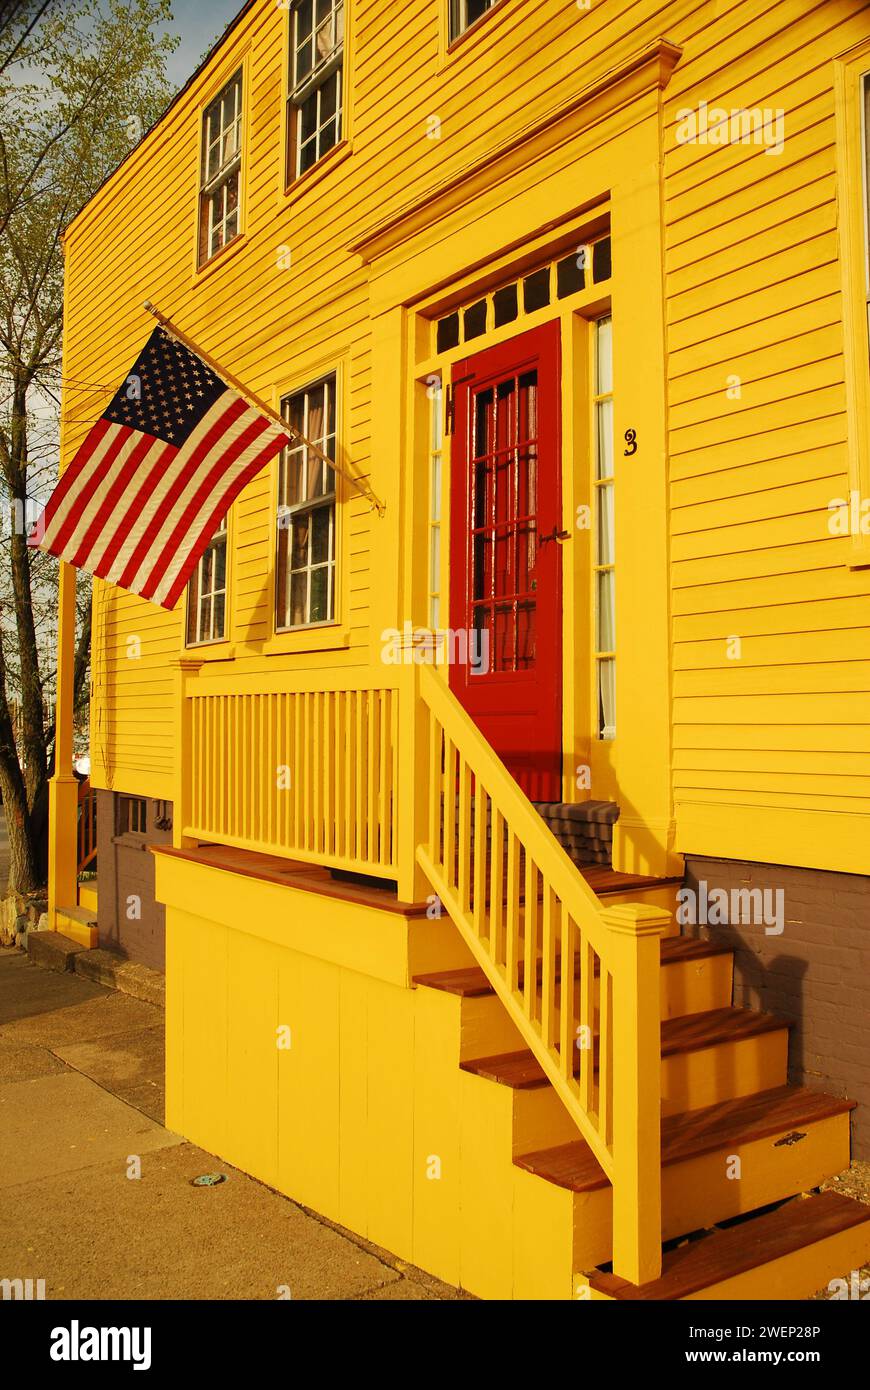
{"points": [[305, 587], [464, 13], [207, 593], [221, 174], [314, 114]]}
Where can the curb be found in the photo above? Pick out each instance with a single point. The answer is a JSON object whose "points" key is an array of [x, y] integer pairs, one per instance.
{"points": [[54, 951]]}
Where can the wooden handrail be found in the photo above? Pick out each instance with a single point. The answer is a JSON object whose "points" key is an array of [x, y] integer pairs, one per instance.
{"points": [[580, 984]]}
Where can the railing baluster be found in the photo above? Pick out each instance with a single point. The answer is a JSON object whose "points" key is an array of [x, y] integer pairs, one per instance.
{"points": [[566, 995], [512, 924], [548, 968], [435, 789], [464, 836], [586, 1025], [605, 1057], [449, 812], [480, 820], [496, 886], [530, 940]]}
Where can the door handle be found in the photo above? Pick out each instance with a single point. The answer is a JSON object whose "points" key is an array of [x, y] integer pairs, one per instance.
{"points": [[555, 536]]}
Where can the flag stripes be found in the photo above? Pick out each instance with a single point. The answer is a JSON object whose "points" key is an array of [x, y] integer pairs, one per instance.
{"points": [[138, 506]]}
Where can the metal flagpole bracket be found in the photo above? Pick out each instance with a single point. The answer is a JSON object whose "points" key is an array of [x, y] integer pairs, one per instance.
{"points": [[356, 483]]}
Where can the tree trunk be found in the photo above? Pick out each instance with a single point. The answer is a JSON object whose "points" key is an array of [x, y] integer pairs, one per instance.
{"points": [[24, 874]]}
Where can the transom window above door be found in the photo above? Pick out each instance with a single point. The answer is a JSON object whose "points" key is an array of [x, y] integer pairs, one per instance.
{"points": [[464, 13], [305, 569], [515, 300], [314, 107]]}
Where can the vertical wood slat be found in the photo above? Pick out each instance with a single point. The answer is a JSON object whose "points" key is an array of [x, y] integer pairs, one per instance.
{"points": [[384, 781], [605, 1056], [496, 885], [530, 939], [372, 764], [435, 790], [512, 922], [567, 984], [479, 887], [586, 1024], [548, 967], [449, 811], [464, 836]]}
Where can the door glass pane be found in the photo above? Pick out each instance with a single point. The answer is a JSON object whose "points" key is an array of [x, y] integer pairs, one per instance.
{"points": [[605, 439], [606, 535], [605, 639], [604, 384]]}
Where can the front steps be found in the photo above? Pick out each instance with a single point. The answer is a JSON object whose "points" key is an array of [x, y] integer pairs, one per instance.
{"points": [[736, 1139], [79, 924], [778, 1255]]}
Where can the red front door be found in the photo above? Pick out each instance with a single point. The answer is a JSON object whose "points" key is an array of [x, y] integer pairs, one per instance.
{"points": [[505, 571]]}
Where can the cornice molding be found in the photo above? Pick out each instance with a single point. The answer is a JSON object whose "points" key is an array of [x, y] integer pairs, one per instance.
{"points": [[647, 69]]}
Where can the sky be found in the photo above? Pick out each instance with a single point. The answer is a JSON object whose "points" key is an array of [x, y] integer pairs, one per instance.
{"points": [[199, 23]]}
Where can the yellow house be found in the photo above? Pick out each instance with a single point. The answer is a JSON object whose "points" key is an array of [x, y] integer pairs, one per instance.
{"points": [[517, 897]]}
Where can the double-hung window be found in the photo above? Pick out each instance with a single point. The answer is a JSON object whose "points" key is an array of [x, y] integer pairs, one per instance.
{"points": [[305, 571], [464, 13], [221, 172], [314, 109], [207, 593]]}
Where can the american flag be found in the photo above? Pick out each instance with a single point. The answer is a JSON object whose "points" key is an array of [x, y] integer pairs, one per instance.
{"points": [[146, 491]]}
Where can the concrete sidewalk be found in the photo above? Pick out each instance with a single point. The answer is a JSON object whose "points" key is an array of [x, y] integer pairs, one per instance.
{"points": [[81, 1091]]}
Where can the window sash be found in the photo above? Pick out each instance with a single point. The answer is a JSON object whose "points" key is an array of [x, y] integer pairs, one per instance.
{"points": [[207, 601], [313, 86], [307, 491], [220, 178]]}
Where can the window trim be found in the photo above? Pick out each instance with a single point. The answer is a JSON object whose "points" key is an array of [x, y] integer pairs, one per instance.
{"points": [[291, 179], [212, 642], [849, 72]]}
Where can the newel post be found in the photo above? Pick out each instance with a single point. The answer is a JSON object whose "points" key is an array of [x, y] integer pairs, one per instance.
{"points": [[634, 936], [412, 791]]}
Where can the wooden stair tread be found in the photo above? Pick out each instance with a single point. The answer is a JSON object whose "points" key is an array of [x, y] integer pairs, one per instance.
{"points": [[471, 982], [695, 1133], [725, 1254], [604, 881], [692, 1033]]}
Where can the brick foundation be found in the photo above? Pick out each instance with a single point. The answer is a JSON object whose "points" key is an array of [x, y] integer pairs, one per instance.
{"points": [[816, 973]]}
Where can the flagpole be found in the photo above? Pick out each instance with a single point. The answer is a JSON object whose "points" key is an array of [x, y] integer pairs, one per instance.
{"points": [[362, 488]]}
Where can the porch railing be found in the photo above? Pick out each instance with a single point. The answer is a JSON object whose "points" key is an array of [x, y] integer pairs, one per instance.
{"points": [[392, 778], [580, 984], [309, 773]]}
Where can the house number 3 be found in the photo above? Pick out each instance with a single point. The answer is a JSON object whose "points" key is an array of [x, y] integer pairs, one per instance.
{"points": [[631, 441]]}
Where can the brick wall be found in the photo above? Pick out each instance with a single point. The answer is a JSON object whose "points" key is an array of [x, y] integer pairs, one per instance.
{"points": [[816, 973]]}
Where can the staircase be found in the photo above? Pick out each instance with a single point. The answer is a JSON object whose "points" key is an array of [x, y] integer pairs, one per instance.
{"points": [[648, 1121]]}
